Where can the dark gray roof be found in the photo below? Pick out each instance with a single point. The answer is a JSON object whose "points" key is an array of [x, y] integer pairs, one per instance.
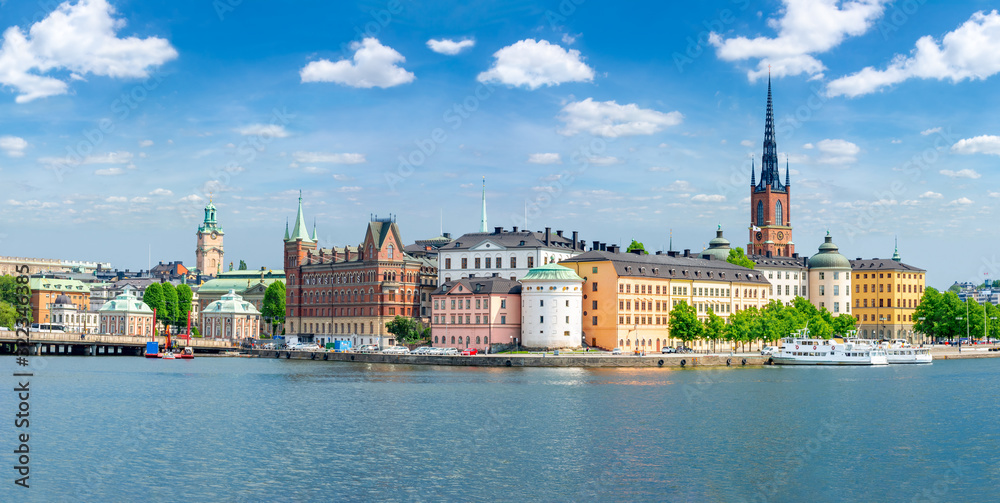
{"points": [[479, 286], [779, 262], [665, 266], [508, 239], [882, 264]]}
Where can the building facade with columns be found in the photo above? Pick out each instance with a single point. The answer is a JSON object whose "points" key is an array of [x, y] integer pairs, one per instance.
{"points": [[126, 315], [68, 314], [351, 292], [230, 318]]}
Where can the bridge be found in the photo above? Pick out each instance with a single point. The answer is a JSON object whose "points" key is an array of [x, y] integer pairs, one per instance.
{"points": [[77, 344]]}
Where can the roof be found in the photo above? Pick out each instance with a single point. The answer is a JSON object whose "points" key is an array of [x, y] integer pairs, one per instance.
{"points": [[508, 239], [64, 285], [883, 264], [665, 266], [380, 231], [718, 247], [231, 303], [829, 256], [765, 262], [63, 299], [224, 284], [299, 231], [125, 303], [478, 286], [551, 272]]}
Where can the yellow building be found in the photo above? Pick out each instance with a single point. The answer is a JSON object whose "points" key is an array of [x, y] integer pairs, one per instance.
{"points": [[886, 293], [627, 297]]}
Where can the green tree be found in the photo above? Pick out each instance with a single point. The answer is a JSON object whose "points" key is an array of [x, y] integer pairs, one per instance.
{"points": [[405, 329], [11, 290], [195, 332], [184, 297], [738, 256], [243, 265], [955, 288], [8, 315], [170, 300], [929, 314], [715, 327], [153, 297], [843, 324], [273, 307], [739, 328], [684, 324], [637, 246]]}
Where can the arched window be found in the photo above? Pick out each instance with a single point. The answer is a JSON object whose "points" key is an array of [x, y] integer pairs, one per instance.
{"points": [[390, 251], [760, 212], [777, 214]]}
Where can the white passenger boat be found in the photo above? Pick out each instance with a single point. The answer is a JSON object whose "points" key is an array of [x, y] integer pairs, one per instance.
{"points": [[900, 351], [805, 350]]}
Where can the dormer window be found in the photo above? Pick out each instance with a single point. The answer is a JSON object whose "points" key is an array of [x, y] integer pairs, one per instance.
{"points": [[521, 244]]}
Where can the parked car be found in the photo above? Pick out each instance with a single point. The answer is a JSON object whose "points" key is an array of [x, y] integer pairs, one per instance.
{"points": [[422, 350], [449, 351], [684, 349], [768, 350], [368, 348], [616, 351], [667, 350], [470, 352], [396, 350], [310, 347]]}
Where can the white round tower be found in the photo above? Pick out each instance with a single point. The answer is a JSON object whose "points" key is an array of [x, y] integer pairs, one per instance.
{"points": [[551, 308]]}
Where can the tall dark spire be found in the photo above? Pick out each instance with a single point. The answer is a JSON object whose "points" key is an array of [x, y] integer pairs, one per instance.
{"points": [[769, 161], [787, 182], [753, 173]]}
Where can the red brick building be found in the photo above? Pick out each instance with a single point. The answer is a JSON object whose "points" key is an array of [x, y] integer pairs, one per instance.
{"points": [[770, 208], [350, 293]]}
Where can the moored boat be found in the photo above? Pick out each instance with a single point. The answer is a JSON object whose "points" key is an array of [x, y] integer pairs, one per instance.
{"points": [[152, 350], [805, 350], [186, 354], [168, 356], [899, 351]]}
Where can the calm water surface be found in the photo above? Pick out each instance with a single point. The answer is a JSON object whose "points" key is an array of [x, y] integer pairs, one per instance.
{"points": [[228, 429]]}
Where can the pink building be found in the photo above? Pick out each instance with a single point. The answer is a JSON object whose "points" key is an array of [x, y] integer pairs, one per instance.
{"points": [[476, 313]]}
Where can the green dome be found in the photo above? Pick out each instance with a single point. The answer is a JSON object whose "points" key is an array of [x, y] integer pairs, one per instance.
{"points": [[125, 303], [829, 257], [718, 248], [551, 272]]}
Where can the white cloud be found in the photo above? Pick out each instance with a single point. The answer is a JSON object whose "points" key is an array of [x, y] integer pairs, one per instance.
{"points": [[806, 27], [13, 145], [146, 143], [33, 204], [315, 170], [116, 199], [930, 131], [535, 63], [931, 195], [680, 186], [964, 173], [139, 199], [611, 120], [79, 39], [985, 144], [109, 172], [660, 169], [896, 141], [373, 65], [342, 178], [546, 158], [350, 189], [272, 130], [971, 51], [962, 201], [837, 151], [994, 194], [708, 198], [808, 146], [193, 198], [746, 143], [161, 192], [605, 160], [449, 46], [121, 157], [318, 157]]}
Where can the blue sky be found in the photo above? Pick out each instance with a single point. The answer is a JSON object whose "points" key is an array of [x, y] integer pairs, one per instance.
{"points": [[118, 119]]}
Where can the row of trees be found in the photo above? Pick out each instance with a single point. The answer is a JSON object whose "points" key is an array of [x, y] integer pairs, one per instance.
{"points": [[770, 323], [945, 316], [9, 302], [407, 329], [273, 308], [172, 304]]}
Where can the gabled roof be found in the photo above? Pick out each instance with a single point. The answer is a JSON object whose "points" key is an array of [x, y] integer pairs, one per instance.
{"points": [[520, 239], [765, 262], [883, 264], [478, 286], [665, 266]]}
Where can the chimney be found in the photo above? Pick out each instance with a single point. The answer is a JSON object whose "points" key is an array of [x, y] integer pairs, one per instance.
{"points": [[597, 245], [447, 235], [497, 230], [768, 254], [659, 252], [604, 247], [559, 233], [796, 255], [613, 248], [548, 232], [514, 229], [637, 251], [575, 239], [687, 252]]}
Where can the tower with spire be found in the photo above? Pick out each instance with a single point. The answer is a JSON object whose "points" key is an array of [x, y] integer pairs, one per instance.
{"points": [[482, 221], [770, 207], [209, 252]]}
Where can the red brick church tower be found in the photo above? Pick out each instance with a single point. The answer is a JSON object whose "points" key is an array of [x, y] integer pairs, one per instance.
{"points": [[770, 209]]}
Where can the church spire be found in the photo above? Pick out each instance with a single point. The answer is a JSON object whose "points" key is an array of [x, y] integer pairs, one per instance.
{"points": [[787, 182], [769, 160], [482, 224], [286, 228], [753, 173], [299, 231], [895, 252]]}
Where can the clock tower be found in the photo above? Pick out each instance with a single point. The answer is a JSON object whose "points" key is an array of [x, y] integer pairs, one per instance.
{"points": [[209, 254], [770, 209]]}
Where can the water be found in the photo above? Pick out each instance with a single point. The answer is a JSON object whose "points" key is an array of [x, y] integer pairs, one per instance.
{"points": [[234, 429]]}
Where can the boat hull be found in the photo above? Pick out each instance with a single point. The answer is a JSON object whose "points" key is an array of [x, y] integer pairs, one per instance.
{"points": [[799, 361]]}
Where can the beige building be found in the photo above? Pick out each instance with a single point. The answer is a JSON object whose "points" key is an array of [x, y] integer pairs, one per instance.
{"points": [[230, 317], [126, 315], [830, 279], [209, 255], [886, 294]]}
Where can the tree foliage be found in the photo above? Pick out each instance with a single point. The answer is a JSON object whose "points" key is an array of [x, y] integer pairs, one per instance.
{"points": [[273, 307], [11, 290], [170, 300], [153, 297], [637, 246], [405, 329], [184, 297], [8, 315], [243, 265], [738, 256], [684, 324]]}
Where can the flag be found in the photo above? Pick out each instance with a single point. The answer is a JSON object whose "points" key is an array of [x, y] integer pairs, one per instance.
{"points": [[754, 228]]}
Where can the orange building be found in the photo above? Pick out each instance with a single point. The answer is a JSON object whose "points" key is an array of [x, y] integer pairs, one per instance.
{"points": [[45, 291], [886, 294]]}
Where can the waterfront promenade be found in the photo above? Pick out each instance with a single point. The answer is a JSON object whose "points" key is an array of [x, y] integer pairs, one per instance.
{"points": [[56, 343]]}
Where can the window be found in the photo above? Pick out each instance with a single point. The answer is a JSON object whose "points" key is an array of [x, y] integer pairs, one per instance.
{"points": [[453, 303], [594, 270], [503, 303], [468, 303], [531, 262], [821, 289], [390, 251], [478, 304], [567, 321], [821, 275], [478, 263], [541, 319], [593, 321], [503, 320], [594, 286], [465, 263], [541, 303], [593, 304], [836, 289], [836, 307], [567, 303], [489, 262], [836, 275], [513, 262], [760, 212]]}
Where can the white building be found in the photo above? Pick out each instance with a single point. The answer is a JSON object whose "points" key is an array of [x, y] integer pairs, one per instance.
{"points": [[505, 254], [230, 317], [126, 315], [64, 312], [789, 276], [830, 279], [551, 308]]}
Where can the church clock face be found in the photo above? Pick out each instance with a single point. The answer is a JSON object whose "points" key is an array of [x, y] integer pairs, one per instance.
{"points": [[215, 235], [759, 236], [781, 235]]}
